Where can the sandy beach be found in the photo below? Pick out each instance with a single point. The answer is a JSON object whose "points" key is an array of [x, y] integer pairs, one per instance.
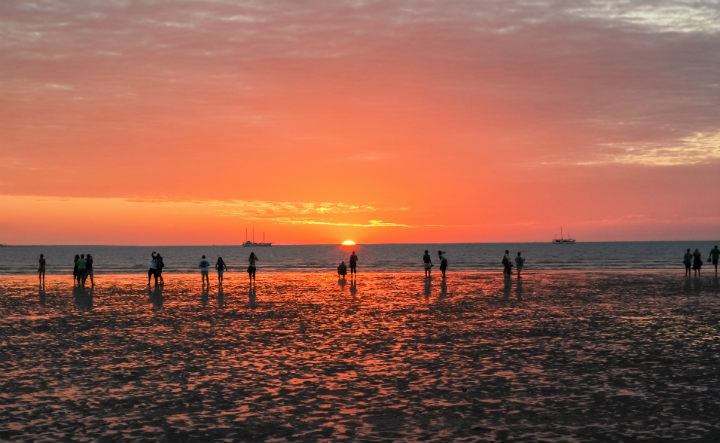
{"points": [[556, 356]]}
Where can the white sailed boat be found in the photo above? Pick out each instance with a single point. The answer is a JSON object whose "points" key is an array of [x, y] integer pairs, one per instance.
{"points": [[563, 240], [250, 244]]}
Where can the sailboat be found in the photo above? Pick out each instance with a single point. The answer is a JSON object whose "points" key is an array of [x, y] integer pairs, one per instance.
{"points": [[252, 243], [563, 240]]}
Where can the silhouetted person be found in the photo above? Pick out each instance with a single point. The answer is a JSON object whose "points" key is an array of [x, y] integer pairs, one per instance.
{"points": [[713, 257], [342, 269], [353, 264], [427, 263], [204, 268], [221, 268], [443, 262], [507, 264], [519, 263], [160, 264], [75, 270], [89, 270], [687, 260], [41, 270], [253, 265], [697, 262], [152, 270], [82, 269]]}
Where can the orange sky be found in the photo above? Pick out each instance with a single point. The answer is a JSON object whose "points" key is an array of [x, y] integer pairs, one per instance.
{"points": [[397, 121]]}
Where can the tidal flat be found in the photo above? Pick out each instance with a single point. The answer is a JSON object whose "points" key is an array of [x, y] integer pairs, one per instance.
{"points": [[555, 356]]}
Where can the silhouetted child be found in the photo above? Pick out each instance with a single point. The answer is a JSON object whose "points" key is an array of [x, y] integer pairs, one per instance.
{"points": [[342, 269], [75, 270]]}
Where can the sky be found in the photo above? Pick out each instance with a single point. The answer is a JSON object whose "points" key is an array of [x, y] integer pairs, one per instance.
{"points": [[190, 121]]}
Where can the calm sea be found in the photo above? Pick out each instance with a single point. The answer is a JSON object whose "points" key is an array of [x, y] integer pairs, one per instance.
{"points": [[384, 257]]}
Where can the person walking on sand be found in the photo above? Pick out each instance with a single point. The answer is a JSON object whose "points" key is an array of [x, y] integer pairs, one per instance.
{"points": [[41, 269], [443, 263], [519, 263], [353, 264], [687, 261], [204, 267], [89, 271], [159, 268], [152, 270], [507, 264], [253, 266], [697, 262], [221, 267], [342, 269], [712, 258]]}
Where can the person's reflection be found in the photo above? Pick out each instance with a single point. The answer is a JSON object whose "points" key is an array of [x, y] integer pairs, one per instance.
{"points": [[156, 296], [428, 287], [507, 287], [204, 297], [519, 289], [443, 288], [342, 282], [41, 295], [251, 297], [353, 287], [83, 297], [220, 297]]}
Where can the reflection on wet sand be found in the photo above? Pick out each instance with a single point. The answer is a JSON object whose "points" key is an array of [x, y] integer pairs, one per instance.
{"points": [[220, 297], [584, 357], [83, 297], [156, 296]]}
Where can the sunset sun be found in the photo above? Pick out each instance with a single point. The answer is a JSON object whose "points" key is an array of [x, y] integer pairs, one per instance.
{"points": [[348, 243]]}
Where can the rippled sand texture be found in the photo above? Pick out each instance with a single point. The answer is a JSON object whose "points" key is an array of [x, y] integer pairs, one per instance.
{"points": [[560, 357]]}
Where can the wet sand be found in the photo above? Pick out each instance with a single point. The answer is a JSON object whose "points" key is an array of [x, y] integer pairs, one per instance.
{"points": [[556, 357]]}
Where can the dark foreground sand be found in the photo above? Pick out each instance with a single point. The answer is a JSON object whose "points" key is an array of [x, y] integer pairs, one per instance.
{"points": [[560, 357]]}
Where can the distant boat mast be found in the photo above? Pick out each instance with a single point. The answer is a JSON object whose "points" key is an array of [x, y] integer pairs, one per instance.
{"points": [[563, 240]]}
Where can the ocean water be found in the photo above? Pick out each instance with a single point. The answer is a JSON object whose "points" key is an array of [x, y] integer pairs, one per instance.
{"points": [[378, 258]]}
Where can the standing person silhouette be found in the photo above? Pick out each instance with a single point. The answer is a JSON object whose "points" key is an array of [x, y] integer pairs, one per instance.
{"points": [[697, 262], [443, 263], [519, 263], [507, 264], [75, 270], [221, 267], [253, 267], [81, 269], [204, 267], [160, 264], [687, 261], [353, 264], [713, 257], [152, 270], [41, 269], [427, 263], [89, 270]]}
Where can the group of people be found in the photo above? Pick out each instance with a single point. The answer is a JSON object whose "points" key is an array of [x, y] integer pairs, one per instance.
{"points": [[81, 271], [693, 261], [342, 267], [221, 267], [508, 264]]}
